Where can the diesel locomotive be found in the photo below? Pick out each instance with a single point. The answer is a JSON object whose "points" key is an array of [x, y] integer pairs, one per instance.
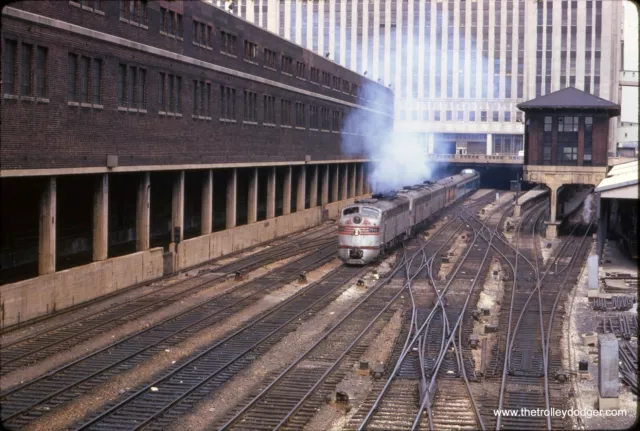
{"points": [[369, 227]]}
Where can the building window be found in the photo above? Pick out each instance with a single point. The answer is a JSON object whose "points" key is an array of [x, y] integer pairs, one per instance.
{"points": [[315, 75], [25, 70], [335, 124], [227, 103], [9, 66], [172, 23], [170, 98], [41, 72], [250, 106], [301, 70], [436, 115], [326, 122], [346, 86], [449, 115], [131, 86], [355, 90], [134, 11], [287, 65], [483, 115], [84, 79], [496, 116], [314, 122], [285, 112], [250, 51], [588, 140], [92, 4], [507, 116], [336, 83], [460, 116], [425, 115], [269, 110], [300, 115], [72, 65], [228, 43], [568, 140], [202, 34], [519, 117], [326, 79], [472, 116], [269, 58]]}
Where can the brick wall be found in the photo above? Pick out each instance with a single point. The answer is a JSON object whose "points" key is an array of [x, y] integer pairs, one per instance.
{"points": [[48, 133]]}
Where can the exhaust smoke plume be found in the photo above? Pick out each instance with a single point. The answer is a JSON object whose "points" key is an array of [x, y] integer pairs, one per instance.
{"points": [[397, 159], [587, 208]]}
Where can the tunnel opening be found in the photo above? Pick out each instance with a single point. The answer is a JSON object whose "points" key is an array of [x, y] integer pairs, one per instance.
{"points": [[160, 208], [220, 179], [295, 179], [242, 198], [280, 176], [263, 180], [20, 229], [193, 187], [74, 220], [122, 214]]}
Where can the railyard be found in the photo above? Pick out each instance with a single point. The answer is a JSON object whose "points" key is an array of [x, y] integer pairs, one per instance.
{"points": [[286, 336]]}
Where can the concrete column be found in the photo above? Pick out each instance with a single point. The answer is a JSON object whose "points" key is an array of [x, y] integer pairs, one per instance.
{"points": [[360, 179], [101, 218], [313, 193], [336, 183], [177, 207], [352, 179], [552, 224], [344, 184], [489, 144], [271, 193], [608, 380], [286, 196], [324, 198], [143, 212], [302, 184], [206, 217], [47, 240], [232, 198], [253, 197]]}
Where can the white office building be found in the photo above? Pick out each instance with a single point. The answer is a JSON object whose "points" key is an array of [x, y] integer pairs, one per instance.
{"points": [[460, 67]]}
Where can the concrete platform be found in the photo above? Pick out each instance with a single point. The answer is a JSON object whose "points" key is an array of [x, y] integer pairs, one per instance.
{"points": [[617, 272], [529, 198]]}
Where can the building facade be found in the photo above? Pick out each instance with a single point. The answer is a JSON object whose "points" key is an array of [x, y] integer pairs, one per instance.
{"points": [[141, 137], [459, 67]]}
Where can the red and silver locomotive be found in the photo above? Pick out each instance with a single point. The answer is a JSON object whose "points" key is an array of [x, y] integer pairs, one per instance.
{"points": [[369, 227]]}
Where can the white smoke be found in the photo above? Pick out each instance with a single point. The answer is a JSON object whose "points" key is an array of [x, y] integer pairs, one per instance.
{"points": [[397, 159], [587, 208]]}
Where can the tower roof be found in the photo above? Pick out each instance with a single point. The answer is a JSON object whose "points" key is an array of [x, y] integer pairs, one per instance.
{"points": [[570, 98]]}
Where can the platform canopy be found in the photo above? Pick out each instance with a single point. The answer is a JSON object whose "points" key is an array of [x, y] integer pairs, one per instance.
{"points": [[570, 98], [621, 182]]}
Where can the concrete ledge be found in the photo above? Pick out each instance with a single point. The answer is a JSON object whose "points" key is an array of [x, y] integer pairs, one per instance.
{"points": [[35, 297], [197, 250], [528, 199]]}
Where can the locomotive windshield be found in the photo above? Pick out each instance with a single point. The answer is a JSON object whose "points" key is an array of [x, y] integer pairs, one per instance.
{"points": [[350, 210], [371, 212]]}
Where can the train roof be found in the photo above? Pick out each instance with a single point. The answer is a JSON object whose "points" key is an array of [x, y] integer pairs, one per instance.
{"points": [[382, 204]]}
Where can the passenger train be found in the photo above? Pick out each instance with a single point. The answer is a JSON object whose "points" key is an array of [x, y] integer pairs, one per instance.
{"points": [[369, 227]]}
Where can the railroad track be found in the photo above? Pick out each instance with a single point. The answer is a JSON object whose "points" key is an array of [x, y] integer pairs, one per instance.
{"points": [[35, 347], [525, 362], [26, 402], [432, 353]]}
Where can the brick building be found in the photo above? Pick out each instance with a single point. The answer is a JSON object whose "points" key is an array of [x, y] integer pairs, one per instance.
{"points": [[566, 140], [135, 124]]}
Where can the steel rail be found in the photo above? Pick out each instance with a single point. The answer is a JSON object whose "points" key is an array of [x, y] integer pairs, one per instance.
{"points": [[137, 352], [244, 328]]}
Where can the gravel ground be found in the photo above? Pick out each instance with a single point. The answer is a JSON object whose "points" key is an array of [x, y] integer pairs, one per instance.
{"points": [[357, 387], [96, 399], [213, 409], [491, 297], [455, 251], [585, 385], [28, 373]]}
